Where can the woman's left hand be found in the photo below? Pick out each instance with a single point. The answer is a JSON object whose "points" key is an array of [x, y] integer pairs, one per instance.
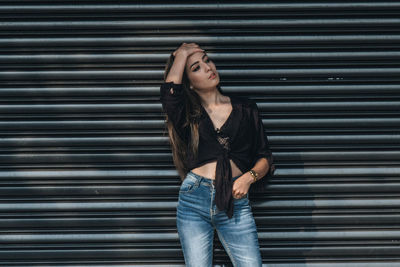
{"points": [[241, 186]]}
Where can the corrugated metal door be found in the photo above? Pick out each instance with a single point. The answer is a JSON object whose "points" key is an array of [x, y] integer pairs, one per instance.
{"points": [[86, 171]]}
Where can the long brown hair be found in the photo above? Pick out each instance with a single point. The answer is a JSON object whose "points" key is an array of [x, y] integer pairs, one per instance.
{"points": [[179, 148]]}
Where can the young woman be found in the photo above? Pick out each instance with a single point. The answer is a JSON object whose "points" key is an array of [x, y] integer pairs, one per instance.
{"points": [[220, 151]]}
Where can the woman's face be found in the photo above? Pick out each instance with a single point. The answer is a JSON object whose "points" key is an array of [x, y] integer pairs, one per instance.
{"points": [[201, 71]]}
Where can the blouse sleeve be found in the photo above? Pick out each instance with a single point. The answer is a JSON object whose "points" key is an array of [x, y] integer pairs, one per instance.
{"points": [[173, 103], [261, 145]]}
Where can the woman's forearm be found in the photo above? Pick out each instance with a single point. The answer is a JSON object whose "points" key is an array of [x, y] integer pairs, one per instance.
{"points": [[261, 167], [176, 72]]}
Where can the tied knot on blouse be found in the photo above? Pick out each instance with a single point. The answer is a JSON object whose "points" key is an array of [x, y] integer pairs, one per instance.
{"points": [[223, 177]]}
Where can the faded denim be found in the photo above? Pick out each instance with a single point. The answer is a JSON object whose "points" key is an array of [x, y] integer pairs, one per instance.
{"points": [[197, 216]]}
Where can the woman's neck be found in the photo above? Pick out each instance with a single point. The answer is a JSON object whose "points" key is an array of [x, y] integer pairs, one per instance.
{"points": [[212, 99]]}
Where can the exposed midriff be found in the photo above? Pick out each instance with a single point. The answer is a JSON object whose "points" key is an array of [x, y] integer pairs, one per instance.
{"points": [[208, 169]]}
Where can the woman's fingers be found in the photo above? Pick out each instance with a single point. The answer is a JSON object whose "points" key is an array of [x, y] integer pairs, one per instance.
{"points": [[237, 195], [192, 51], [188, 49]]}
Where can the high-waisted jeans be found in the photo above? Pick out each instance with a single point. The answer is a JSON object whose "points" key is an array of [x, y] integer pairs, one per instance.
{"points": [[197, 216]]}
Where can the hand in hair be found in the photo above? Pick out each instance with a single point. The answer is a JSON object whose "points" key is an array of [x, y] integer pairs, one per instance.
{"points": [[187, 49], [181, 54]]}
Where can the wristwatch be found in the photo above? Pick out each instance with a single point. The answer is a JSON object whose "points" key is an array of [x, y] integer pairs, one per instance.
{"points": [[254, 174]]}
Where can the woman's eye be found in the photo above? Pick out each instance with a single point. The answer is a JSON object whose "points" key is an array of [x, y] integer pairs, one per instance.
{"points": [[207, 60]]}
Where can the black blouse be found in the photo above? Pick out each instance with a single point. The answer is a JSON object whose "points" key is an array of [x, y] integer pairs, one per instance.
{"points": [[241, 138]]}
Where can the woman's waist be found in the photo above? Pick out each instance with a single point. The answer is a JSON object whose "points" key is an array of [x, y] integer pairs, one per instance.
{"points": [[208, 169]]}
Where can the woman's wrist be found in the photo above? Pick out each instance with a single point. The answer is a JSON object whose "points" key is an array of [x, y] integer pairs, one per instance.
{"points": [[254, 175], [249, 178]]}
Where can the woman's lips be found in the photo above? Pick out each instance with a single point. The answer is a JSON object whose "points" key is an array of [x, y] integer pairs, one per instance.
{"points": [[212, 76]]}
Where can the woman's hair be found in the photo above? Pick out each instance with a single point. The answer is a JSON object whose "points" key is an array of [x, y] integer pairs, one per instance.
{"points": [[193, 112]]}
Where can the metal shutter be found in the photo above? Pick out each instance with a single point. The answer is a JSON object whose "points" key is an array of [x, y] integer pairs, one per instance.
{"points": [[86, 171]]}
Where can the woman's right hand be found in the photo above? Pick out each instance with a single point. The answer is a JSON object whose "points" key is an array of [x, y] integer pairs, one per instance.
{"points": [[178, 67], [187, 49]]}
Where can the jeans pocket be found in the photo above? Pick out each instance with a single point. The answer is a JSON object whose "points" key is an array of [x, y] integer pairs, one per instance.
{"points": [[245, 196], [189, 185], [243, 200]]}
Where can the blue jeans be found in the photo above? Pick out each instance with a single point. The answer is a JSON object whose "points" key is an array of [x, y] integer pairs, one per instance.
{"points": [[197, 216]]}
